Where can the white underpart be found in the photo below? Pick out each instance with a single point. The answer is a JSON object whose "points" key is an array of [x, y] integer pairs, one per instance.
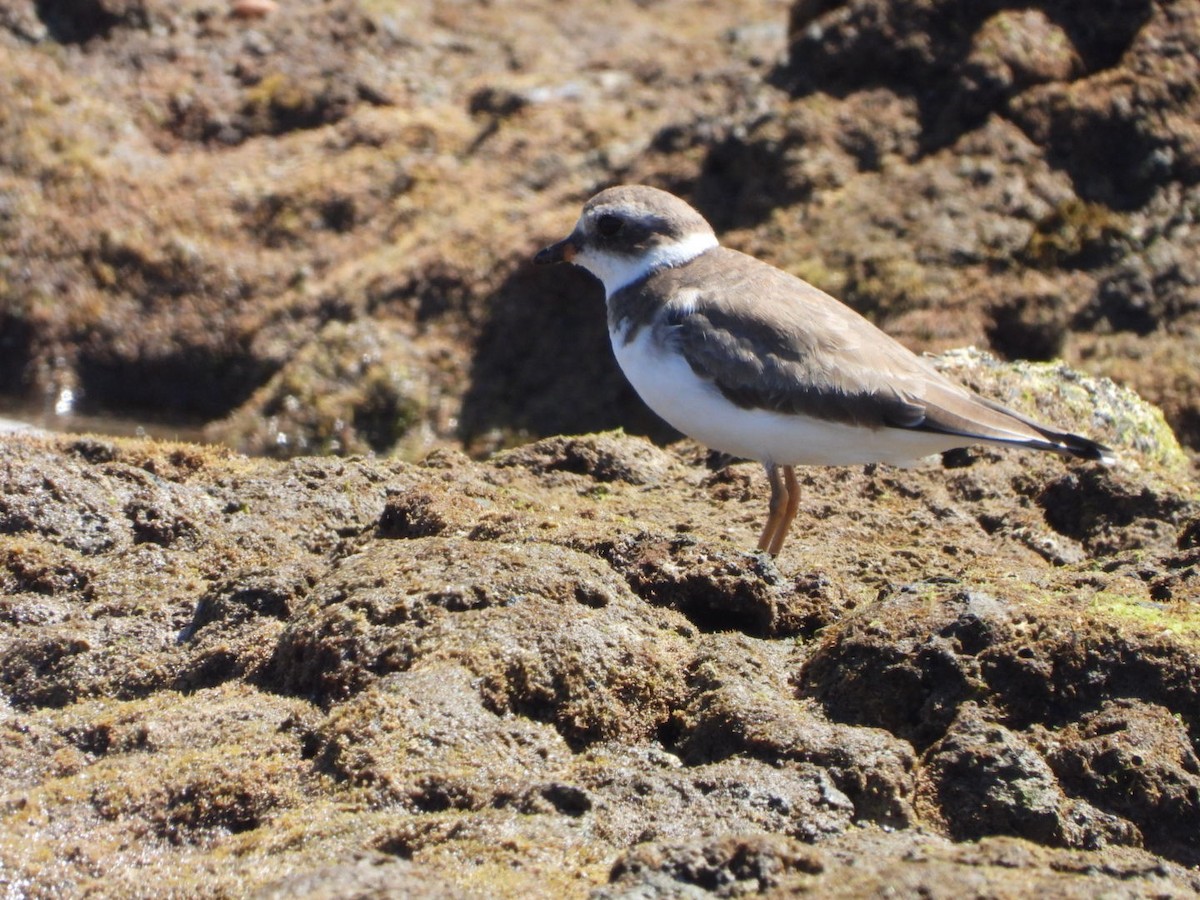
{"points": [[697, 408], [618, 271]]}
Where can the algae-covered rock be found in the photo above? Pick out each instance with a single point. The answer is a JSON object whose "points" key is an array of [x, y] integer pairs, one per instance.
{"points": [[175, 234], [355, 388], [1056, 393], [563, 671]]}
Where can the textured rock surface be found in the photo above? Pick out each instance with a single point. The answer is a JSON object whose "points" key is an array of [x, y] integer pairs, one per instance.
{"points": [[304, 228], [560, 671], [310, 231]]}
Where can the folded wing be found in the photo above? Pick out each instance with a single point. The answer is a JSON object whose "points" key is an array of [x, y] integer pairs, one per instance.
{"points": [[770, 341]]}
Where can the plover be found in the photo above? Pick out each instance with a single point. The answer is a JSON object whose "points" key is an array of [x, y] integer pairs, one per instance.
{"points": [[751, 361]]}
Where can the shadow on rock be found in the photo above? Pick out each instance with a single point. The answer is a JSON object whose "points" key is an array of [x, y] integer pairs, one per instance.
{"points": [[543, 365], [964, 62]]}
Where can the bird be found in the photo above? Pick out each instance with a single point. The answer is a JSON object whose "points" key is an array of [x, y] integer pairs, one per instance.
{"points": [[755, 363]]}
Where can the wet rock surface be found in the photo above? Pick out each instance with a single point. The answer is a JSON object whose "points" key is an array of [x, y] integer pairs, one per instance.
{"points": [[560, 672], [303, 230]]}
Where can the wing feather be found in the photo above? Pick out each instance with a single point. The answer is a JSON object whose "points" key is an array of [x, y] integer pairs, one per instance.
{"points": [[768, 340]]}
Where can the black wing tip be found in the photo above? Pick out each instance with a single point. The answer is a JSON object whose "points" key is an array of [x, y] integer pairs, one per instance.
{"points": [[1074, 445], [1085, 448]]}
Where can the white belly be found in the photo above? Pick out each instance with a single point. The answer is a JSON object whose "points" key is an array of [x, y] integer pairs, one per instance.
{"points": [[696, 407]]}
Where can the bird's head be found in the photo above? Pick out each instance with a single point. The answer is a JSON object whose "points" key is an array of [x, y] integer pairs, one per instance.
{"points": [[625, 233]]}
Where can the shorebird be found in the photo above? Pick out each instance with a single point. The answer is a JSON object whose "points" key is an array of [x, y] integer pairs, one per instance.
{"points": [[754, 362]]}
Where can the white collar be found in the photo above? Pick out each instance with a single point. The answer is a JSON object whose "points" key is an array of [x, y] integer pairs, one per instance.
{"points": [[620, 271]]}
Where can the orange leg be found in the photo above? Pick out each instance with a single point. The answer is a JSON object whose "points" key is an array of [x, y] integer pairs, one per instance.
{"points": [[791, 506], [776, 510]]}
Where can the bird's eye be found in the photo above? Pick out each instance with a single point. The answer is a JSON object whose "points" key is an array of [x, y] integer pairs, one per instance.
{"points": [[608, 225]]}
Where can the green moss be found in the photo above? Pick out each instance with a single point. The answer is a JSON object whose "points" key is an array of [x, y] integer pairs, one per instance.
{"points": [[382, 7], [276, 92], [888, 285], [1179, 619], [816, 272], [1074, 234]]}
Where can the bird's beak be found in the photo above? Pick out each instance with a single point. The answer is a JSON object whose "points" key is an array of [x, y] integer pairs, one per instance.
{"points": [[563, 251]]}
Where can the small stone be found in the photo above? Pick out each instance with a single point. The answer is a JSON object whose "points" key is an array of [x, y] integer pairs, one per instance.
{"points": [[252, 9]]}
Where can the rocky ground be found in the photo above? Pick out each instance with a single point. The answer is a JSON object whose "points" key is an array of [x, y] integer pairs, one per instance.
{"points": [[560, 670], [311, 232], [399, 649]]}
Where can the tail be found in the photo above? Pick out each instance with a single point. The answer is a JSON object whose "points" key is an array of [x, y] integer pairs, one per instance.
{"points": [[1073, 445], [1061, 442], [964, 413]]}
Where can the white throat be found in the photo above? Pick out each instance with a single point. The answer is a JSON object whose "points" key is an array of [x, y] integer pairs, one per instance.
{"points": [[618, 271]]}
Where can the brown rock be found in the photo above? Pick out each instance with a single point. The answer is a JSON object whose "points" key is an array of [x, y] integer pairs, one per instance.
{"points": [[258, 667], [560, 672], [868, 862], [982, 779], [1136, 760]]}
